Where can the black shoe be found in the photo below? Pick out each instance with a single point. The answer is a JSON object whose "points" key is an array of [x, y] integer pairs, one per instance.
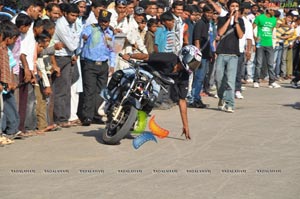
{"points": [[87, 122], [13, 136], [198, 104]]}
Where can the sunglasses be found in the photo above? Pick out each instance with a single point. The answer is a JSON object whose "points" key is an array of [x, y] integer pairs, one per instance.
{"points": [[123, 2]]}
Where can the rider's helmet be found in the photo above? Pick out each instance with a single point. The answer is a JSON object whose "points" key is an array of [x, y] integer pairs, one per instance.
{"points": [[190, 57]]}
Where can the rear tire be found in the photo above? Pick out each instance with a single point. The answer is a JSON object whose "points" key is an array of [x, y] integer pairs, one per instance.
{"points": [[113, 135]]}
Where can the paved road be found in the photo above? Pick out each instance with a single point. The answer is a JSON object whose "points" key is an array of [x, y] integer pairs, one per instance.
{"points": [[251, 154]]}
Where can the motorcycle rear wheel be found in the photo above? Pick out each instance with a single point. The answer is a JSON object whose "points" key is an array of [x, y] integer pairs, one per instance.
{"points": [[116, 131]]}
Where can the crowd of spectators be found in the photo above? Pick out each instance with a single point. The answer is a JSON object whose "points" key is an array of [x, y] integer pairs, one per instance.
{"points": [[57, 55]]}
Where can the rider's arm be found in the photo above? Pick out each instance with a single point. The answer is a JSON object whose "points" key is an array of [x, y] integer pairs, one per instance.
{"points": [[184, 118], [140, 56]]}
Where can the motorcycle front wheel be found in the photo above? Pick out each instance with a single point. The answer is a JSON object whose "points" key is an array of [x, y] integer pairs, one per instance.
{"points": [[115, 131]]}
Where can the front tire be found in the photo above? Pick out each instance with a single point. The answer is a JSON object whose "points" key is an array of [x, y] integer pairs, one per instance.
{"points": [[116, 131]]}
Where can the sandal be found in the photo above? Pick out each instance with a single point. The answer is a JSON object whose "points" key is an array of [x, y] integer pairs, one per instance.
{"points": [[37, 132], [27, 134], [56, 127], [48, 128], [65, 125], [75, 122], [5, 141], [53, 127]]}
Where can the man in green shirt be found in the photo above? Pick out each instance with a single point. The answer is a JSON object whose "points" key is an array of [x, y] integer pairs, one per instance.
{"points": [[265, 24]]}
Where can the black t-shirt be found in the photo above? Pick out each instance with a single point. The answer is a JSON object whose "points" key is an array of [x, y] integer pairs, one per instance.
{"points": [[165, 63], [230, 44], [201, 33]]}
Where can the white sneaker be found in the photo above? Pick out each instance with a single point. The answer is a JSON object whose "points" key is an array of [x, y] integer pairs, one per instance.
{"points": [[274, 85], [229, 110], [255, 85], [239, 95], [249, 80]]}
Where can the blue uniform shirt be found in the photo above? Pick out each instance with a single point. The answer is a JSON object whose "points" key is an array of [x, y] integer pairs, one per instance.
{"points": [[99, 44]]}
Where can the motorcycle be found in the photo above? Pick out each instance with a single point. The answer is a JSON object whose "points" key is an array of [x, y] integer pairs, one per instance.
{"points": [[136, 90]]}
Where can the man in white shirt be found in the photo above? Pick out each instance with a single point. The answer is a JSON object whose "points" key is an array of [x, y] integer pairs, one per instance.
{"points": [[177, 10], [245, 45], [123, 22], [119, 20], [33, 9], [66, 33]]}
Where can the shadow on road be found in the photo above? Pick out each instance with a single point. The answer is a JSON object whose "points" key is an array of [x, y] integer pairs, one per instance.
{"points": [[97, 134], [175, 138], [295, 106]]}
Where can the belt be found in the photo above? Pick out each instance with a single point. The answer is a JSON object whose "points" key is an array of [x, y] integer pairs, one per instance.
{"points": [[232, 55], [63, 56], [96, 62]]}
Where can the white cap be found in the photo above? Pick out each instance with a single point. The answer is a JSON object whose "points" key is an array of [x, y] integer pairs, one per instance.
{"points": [[295, 13]]}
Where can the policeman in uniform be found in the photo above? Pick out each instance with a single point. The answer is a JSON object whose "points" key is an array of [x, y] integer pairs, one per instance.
{"points": [[99, 63]]}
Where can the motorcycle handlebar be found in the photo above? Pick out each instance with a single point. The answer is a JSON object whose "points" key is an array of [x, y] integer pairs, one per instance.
{"points": [[166, 80]]}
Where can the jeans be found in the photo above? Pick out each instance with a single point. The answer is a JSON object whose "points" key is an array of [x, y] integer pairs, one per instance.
{"points": [[277, 59], [212, 74], [209, 77], [250, 65], [239, 72], [268, 53], [226, 68], [189, 96], [11, 120], [198, 79], [283, 64]]}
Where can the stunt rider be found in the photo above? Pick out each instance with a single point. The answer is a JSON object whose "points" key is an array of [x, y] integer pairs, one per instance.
{"points": [[177, 67]]}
